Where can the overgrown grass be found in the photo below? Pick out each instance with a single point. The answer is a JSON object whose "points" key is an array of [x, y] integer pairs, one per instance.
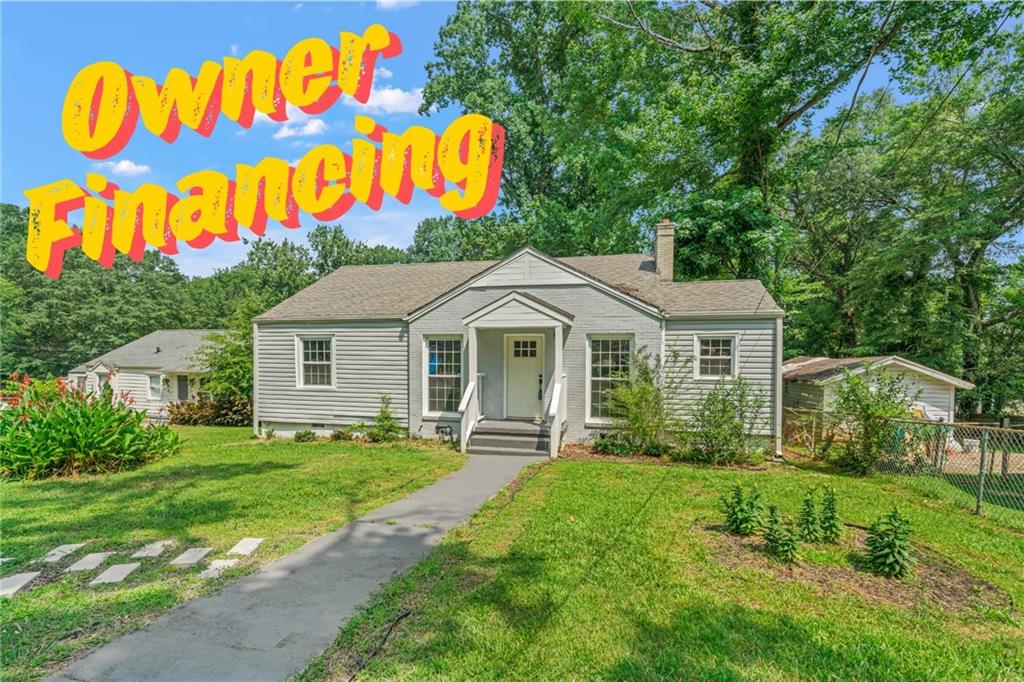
{"points": [[224, 486], [598, 570]]}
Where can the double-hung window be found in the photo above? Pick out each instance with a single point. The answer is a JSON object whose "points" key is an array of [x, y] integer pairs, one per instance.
{"points": [[715, 356], [316, 361], [610, 365], [444, 375], [155, 387]]}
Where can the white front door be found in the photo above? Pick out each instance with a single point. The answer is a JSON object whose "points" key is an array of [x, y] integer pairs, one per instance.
{"points": [[524, 375]]}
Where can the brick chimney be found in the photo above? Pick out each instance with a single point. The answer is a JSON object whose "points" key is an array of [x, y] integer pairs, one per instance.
{"points": [[665, 248]]}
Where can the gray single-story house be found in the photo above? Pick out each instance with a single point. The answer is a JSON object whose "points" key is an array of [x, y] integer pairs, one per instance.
{"points": [[506, 353], [809, 383], [151, 371]]}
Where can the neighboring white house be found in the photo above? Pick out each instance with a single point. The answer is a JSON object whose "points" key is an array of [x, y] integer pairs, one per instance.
{"points": [[809, 382], [154, 370], [506, 353]]}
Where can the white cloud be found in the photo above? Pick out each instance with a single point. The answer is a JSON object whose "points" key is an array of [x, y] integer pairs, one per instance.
{"points": [[382, 72], [125, 167], [389, 100], [313, 126], [297, 7], [234, 49], [294, 114], [395, 4]]}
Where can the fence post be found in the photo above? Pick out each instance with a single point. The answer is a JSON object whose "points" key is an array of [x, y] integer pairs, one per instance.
{"points": [[1005, 438], [981, 471]]}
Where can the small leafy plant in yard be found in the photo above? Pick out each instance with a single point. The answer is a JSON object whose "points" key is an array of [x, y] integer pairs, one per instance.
{"points": [[723, 422], [50, 428], [614, 444], [888, 543], [203, 411], [341, 434], [305, 436], [831, 525], [744, 510], [780, 538], [385, 426], [865, 405], [640, 409], [809, 521]]}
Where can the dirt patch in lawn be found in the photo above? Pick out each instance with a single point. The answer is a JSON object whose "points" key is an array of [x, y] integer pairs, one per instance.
{"points": [[935, 580]]}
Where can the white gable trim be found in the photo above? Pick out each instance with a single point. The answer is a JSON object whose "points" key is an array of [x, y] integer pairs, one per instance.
{"points": [[597, 284], [554, 317], [909, 365]]}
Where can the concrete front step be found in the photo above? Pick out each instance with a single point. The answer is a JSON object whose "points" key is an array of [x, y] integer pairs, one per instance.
{"points": [[482, 450], [510, 427], [504, 440]]}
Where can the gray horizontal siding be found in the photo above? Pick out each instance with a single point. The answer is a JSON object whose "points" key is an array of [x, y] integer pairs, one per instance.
{"points": [[595, 313], [755, 361], [371, 360]]}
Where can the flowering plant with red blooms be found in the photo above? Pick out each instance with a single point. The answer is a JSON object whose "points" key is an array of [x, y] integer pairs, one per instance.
{"points": [[53, 428]]}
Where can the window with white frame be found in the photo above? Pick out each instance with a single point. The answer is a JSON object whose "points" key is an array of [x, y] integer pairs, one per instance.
{"points": [[155, 387], [715, 356], [316, 362], [444, 374], [610, 366]]}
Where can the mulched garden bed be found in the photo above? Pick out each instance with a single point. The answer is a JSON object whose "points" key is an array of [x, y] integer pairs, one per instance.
{"points": [[935, 580]]}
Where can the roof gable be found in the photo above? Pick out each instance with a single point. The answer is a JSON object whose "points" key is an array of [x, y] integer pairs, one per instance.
{"points": [[165, 350], [518, 309], [517, 269]]}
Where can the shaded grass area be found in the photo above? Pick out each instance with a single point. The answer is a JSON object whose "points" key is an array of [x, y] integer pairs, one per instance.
{"points": [[224, 486], [597, 570]]}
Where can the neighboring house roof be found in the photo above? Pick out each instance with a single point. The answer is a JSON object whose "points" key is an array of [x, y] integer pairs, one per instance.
{"points": [[166, 350], [395, 291], [826, 370]]}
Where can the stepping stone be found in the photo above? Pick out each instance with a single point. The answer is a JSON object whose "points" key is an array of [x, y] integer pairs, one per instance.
{"points": [[88, 562], [216, 567], [114, 574], [246, 546], [58, 553], [190, 557], [13, 583], [153, 549]]}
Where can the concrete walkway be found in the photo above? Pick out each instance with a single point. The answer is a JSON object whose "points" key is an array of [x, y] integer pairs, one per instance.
{"points": [[268, 625]]}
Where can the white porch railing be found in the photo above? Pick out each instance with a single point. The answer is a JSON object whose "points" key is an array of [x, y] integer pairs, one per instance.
{"points": [[470, 411], [556, 415]]}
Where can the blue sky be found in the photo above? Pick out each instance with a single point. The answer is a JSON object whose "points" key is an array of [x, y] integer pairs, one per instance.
{"points": [[45, 44]]}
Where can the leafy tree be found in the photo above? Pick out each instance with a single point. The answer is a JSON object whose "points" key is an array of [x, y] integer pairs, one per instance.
{"points": [[332, 248]]}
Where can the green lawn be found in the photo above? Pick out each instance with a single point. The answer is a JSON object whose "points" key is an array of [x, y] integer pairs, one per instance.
{"points": [[607, 570], [224, 486]]}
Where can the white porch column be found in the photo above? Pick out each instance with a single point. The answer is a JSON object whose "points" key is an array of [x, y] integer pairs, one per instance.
{"points": [[558, 354], [472, 355]]}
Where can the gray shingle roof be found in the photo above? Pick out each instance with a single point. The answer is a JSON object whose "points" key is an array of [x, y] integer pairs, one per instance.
{"points": [[394, 291], [167, 350], [822, 369]]}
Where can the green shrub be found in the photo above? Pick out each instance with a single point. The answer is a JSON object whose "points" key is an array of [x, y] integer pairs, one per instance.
{"points": [[613, 444], [889, 546], [305, 436], [831, 525], [744, 510], [640, 411], [809, 522], [863, 409], [202, 411], [385, 427], [722, 423], [51, 429], [341, 434], [780, 539]]}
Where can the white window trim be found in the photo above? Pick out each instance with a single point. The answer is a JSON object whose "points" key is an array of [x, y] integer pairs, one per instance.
{"points": [[160, 386], [697, 338], [591, 419], [425, 373], [299, 338]]}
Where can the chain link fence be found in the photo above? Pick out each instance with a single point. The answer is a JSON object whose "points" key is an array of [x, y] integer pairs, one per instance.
{"points": [[978, 465]]}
